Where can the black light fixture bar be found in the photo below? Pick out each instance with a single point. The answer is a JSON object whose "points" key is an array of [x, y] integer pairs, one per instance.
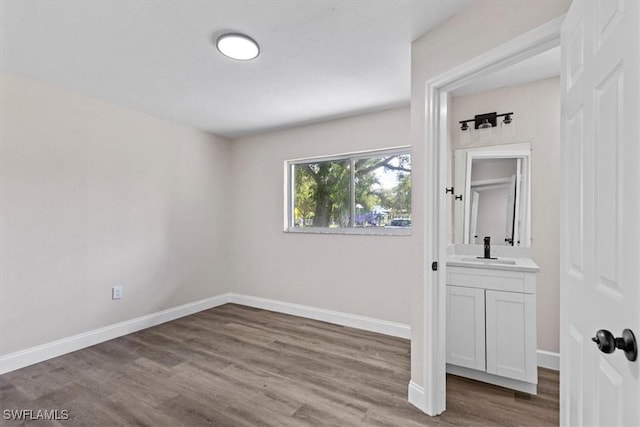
{"points": [[486, 120]]}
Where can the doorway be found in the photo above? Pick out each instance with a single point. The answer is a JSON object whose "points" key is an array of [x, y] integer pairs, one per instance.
{"points": [[438, 91]]}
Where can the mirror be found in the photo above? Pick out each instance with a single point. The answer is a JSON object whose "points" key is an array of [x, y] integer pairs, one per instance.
{"points": [[494, 183]]}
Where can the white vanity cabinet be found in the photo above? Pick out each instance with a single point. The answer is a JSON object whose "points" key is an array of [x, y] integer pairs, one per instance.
{"points": [[466, 327], [491, 326]]}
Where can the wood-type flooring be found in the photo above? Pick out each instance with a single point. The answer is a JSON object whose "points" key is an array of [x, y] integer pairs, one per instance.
{"points": [[240, 366]]}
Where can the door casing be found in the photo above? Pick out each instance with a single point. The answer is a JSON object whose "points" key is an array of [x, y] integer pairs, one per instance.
{"points": [[545, 37]]}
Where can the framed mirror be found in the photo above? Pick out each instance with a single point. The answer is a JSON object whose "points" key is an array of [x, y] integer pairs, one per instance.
{"points": [[495, 185]]}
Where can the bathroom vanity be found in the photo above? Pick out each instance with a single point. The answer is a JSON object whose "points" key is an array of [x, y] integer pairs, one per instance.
{"points": [[491, 288], [491, 320]]}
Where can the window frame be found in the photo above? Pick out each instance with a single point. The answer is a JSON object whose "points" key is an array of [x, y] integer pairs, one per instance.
{"points": [[351, 229]]}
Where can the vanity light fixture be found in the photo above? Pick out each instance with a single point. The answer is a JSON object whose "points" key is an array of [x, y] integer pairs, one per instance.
{"points": [[485, 124], [238, 46], [486, 121]]}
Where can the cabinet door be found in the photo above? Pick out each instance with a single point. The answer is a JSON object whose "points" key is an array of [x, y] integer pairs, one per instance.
{"points": [[465, 327], [511, 335]]}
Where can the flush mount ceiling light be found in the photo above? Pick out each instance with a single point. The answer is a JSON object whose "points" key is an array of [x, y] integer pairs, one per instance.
{"points": [[237, 46]]}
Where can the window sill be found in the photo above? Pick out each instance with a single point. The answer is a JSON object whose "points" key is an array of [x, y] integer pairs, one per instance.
{"points": [[369, 231]]}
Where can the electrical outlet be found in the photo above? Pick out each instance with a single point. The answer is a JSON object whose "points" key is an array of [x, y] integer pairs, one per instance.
{"points": [[116, 292]]}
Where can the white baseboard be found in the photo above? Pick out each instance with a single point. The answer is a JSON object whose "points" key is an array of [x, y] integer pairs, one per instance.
{"points": [[40, 353], [549, 360], [416, 396], [399, 330], [20, 359]]}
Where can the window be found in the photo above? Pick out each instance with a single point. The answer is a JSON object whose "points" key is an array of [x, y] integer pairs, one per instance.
{"points": [[369, 190]]}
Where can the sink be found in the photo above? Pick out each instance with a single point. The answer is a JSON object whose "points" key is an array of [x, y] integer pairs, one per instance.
{"points": [[523, 264], [490, 261]]}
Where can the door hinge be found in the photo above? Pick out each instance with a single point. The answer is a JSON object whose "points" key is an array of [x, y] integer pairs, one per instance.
{"points": [[434, 265]]}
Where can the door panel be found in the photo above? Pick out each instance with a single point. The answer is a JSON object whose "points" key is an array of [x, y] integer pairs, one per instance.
{"points": [[609, 389], [575, 179], [608, 172], [465, 327], [511, 335], [575, 353], [600, 232], [574, 53], [608, 18]]}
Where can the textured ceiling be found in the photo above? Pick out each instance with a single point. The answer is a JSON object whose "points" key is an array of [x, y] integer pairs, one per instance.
{"points": [[319, 59]]}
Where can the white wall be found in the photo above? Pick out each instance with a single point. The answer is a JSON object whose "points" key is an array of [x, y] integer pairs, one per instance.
{"points": [[536, 119], [477, 29], [94, 195], [362, 275]]}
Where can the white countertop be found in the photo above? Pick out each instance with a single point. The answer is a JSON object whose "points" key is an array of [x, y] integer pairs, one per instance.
{"points": [[502, 263]]}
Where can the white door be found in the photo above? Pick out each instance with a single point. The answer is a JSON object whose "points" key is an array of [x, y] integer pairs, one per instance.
{"points": [[512, 208], [517, 191], [600, 229], [473, 232]]}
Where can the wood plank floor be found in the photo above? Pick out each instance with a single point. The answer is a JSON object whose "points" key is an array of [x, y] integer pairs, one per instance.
{"points": [[239, 366]]}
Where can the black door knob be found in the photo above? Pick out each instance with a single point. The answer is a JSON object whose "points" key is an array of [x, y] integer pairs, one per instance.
{"points": [[607, 343]]}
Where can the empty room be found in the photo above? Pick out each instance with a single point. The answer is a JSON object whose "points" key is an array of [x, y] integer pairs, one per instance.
{"points": [[346, 213]]}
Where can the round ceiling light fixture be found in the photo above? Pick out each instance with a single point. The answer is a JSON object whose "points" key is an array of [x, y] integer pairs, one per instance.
{"points": [[238, 46]]}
